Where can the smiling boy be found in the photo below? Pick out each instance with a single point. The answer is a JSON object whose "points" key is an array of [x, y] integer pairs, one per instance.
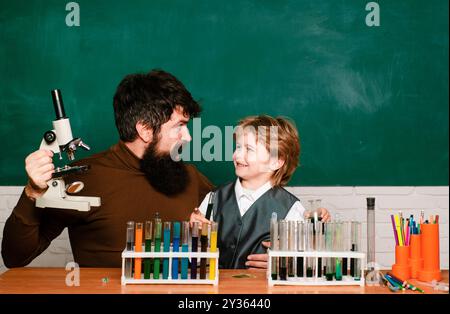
{"points": [[266, 156]]}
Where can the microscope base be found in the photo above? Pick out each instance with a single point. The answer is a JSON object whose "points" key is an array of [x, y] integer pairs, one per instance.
{"points": [[56, 197], [71, 202]]}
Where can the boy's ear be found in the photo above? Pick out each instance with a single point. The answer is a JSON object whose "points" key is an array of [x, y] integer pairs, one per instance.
{"points": [[145, 133], [276, 164]]}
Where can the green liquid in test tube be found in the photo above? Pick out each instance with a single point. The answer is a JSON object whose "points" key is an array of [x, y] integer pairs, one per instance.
{"points": [[157, 237], [167, 227], [148, 248], [337, 247]]}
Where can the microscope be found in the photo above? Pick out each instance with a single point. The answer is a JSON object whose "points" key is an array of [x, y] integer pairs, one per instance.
{"points": [[60, 140]]}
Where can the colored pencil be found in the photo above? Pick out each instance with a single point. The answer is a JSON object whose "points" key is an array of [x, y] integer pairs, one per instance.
{"points": [[395, 230]]}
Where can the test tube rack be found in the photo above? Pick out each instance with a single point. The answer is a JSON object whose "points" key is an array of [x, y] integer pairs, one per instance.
{"points": [[170, 255], [315, 280]]}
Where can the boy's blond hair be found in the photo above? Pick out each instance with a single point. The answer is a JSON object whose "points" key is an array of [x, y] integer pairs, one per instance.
{"points": [[288, 142]]}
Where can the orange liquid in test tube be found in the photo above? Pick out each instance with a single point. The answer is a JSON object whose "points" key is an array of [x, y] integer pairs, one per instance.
{"points": [[138, 248]]}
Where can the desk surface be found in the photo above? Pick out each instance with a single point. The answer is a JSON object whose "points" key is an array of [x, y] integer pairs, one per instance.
{"points": [[52, 280]]}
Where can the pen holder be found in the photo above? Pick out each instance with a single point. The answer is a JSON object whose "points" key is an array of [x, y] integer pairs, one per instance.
{"points": [[415, 258], [401, 269], [430, 253]]}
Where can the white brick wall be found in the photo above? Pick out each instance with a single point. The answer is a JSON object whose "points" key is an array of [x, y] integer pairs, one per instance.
{"points": [[58, 254], [349, 202]]}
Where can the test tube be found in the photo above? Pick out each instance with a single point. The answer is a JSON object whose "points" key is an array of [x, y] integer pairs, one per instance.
{"points": [[274, 245], [203, 248], [308, 213], [175, 248], [148, 248], [185, 248], [370, 233], [129, 247], [318, 205], [167, 227], [213, 248], [283, 247], [194, 250], [292, 246], [309, 242], [157, 237], [138, 248], [319, 247], [329, 261], [316, 237], [347, 246], [300, 247], [355, 263], [338, 247]]}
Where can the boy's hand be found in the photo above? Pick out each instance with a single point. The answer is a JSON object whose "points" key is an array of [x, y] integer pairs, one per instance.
{"points": [[197, 216], [258, 261], [324, 214]]}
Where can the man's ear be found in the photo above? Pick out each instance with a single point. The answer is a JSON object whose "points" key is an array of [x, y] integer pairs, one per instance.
{"points": [[145, 133]]}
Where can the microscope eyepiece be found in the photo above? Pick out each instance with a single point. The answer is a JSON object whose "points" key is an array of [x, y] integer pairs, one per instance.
{"points": [[58, 104]]}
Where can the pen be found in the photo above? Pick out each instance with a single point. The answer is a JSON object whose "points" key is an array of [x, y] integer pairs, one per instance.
{"points": [[404, 283], [210, 205]]}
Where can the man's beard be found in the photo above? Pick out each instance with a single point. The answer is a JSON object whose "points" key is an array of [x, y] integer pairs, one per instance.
{"points": [[164, 174]]}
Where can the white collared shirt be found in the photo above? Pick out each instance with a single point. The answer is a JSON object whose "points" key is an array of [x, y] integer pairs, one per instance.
{"points": [[245, 198]]}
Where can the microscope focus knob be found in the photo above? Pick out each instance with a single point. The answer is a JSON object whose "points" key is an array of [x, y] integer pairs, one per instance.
{"points": [[49, 137]]}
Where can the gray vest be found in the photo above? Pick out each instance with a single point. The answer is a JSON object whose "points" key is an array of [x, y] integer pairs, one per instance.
{"points": [[239, 236]]}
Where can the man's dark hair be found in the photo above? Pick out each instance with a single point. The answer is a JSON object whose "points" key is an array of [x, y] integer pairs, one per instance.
{"points": [[150, 98]]}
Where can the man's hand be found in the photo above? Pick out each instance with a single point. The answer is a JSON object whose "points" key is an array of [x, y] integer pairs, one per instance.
{"points": [[197, 216], [258, 261], [39, 167]]}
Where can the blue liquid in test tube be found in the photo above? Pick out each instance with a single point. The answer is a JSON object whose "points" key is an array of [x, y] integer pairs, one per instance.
{"points": [[176, 248], [166, 249]]}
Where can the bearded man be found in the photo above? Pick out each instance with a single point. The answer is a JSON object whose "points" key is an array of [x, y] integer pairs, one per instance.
{"points": [[135, 179]]}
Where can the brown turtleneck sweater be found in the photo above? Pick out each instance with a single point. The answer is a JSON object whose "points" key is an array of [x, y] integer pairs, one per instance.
{"points": [[97, 237]]}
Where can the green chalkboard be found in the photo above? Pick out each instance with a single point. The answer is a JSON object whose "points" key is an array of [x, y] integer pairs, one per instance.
{"points": [[371, 103]]}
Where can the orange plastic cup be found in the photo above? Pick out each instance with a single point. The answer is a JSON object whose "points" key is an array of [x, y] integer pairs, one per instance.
{"points": [[415, 258], [430, 253], [401, 269]]}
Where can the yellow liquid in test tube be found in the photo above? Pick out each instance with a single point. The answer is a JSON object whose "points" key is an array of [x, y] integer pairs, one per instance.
{"points": [[213, 248]]}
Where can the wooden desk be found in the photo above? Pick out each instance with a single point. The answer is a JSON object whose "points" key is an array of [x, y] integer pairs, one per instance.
{"points": [[52, 280]]}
